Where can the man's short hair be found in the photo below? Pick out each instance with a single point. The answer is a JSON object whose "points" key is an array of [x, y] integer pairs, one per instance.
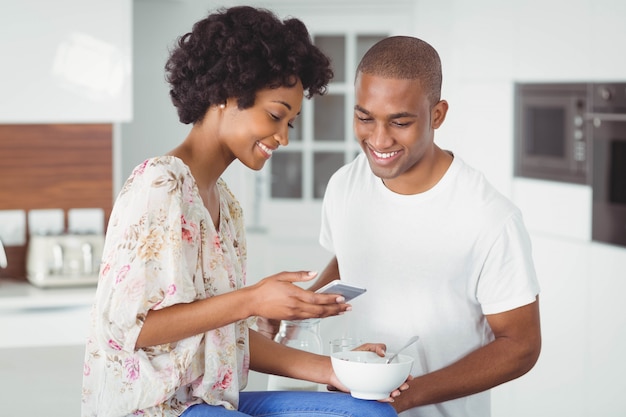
{"points": [[405, 57]]}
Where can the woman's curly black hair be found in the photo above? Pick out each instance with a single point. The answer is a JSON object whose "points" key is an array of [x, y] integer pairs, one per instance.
{"points": [[238, 51]]}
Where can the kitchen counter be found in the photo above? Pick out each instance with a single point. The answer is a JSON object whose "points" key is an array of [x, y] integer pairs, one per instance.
{"points": [[31, 316], [23, 295]]}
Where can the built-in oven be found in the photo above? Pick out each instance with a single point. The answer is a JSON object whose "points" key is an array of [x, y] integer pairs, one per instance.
{"points": [[576, 132], [607, 127], [551, 136]]}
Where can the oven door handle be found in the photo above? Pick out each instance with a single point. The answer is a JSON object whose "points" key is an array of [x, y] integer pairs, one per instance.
{"points": [[606, 117]]}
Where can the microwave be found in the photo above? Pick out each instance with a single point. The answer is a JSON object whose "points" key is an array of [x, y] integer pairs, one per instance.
{"points": [[551, 132]]}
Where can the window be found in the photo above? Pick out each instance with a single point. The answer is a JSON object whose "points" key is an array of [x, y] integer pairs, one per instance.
{"points": [[284, 198], [322, 139]]}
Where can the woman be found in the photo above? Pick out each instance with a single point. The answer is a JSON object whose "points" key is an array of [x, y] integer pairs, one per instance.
{"points": [[170, 329]]}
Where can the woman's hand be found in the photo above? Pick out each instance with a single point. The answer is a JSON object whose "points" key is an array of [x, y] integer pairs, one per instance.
{"points": [[278, 298]]}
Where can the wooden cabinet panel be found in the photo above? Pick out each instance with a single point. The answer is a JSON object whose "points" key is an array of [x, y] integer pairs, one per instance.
{"points": [[54, 166]]}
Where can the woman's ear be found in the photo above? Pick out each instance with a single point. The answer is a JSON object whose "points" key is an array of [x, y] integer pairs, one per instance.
{"points": [[438, 114]]}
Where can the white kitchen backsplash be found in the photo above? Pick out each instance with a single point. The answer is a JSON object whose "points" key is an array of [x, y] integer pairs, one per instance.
{"points": [[12, 227], [46, 221], [85, 221]]}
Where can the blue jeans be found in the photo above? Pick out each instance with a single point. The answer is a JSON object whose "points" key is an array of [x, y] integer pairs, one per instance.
{"points": [[295, 404]]}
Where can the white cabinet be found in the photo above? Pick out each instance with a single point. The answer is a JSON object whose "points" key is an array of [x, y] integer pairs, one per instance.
{"points": [[557, 385], [606, 331], [67, 61], [41, 381], [554, 208], [42, 347], [31, 316], [581, 368]]}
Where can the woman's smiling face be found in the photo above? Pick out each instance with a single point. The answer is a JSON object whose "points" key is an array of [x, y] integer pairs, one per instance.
{"points": [[252, 134]]}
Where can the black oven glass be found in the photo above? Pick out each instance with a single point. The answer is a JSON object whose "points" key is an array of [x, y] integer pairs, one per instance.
{"points": [[546, 132], [617, 172]]}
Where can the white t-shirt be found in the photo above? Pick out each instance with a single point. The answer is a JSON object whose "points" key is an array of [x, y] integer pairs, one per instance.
{"points": [[433, 264]]}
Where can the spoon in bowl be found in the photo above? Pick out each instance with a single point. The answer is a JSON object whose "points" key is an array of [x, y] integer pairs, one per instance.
{"points": [[409, 343]]}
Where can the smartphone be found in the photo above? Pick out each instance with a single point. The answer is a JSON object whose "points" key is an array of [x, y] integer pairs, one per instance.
{"points": [[337, 286]]}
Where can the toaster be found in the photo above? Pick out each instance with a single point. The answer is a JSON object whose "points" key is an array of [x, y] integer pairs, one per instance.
{"points": [[64, 260]]}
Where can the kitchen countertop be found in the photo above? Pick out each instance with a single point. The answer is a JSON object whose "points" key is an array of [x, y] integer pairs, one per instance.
{"points": [[32, 316], [18, 295]]}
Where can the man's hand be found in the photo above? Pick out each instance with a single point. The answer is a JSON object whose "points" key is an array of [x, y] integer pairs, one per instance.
{"points": [[268, 327]]}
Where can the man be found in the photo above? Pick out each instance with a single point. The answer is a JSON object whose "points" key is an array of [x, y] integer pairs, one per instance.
{"points": [[442, 254]]}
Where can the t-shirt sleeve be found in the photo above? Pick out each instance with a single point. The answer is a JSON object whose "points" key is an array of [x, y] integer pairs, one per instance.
{"points": [[508, 279], [326, 236]]}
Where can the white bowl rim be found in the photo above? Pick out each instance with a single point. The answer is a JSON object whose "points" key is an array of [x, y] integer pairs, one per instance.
{"points": [[400, 359]]}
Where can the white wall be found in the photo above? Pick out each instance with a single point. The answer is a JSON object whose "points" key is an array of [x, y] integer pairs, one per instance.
{"points": [[155, 128]]}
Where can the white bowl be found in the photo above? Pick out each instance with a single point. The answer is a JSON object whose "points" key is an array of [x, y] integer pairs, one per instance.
{"points": [[366, 374]]}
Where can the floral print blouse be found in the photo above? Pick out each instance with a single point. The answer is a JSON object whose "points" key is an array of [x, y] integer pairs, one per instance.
{"points": [[162, 249]]}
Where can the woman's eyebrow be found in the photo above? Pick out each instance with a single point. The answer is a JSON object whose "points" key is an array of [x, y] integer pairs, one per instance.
{"points": [[284, 103]]}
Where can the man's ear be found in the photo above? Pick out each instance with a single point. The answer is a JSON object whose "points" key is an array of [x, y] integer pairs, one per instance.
{"points": [[438, 114]]}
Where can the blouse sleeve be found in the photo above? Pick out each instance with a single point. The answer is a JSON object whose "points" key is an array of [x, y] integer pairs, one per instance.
{"points": [[151, 254]]}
